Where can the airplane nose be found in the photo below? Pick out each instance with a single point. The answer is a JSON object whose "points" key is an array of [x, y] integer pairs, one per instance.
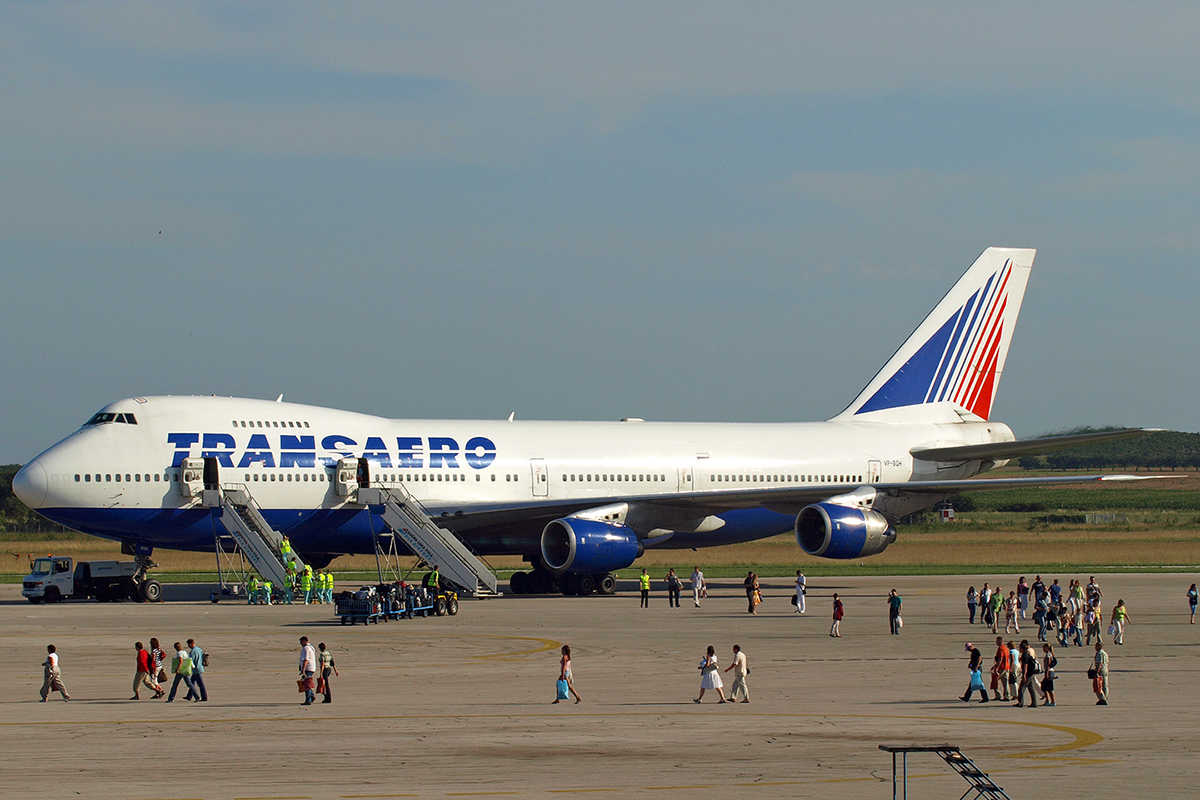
{"points": [[30, 484]]}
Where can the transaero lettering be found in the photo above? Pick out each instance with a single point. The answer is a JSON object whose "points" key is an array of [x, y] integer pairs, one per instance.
{"points": [[411, 452]]}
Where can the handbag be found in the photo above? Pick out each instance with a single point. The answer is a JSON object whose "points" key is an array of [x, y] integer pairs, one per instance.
{"points": [[162, 675], [899, 621], [300, 686], [793, 601], [1112, 630], [562, 689], [320, 686], [1091, 673]]}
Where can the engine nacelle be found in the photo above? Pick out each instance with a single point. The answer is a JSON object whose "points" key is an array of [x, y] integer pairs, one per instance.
{"points": [[571, 544], [830, 530]]}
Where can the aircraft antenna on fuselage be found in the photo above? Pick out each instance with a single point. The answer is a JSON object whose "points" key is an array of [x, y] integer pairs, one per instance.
{"points": [[511, 415], [279, 399]]}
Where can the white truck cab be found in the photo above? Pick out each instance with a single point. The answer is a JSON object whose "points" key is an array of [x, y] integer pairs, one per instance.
{"points": [[55, 578]]}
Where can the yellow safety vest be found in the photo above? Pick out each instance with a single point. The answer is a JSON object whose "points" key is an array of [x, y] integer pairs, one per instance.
{"points": [[645, 583]]}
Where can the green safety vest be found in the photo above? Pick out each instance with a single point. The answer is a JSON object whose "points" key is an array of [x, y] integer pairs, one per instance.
{"points": [[645, 583]]}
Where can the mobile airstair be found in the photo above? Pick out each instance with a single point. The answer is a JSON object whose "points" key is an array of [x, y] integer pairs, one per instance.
{"points": [[234, 508], [433, 545], [981, 784]]}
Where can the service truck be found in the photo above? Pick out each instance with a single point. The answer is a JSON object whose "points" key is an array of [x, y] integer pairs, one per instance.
{"points": [[55, 578]]}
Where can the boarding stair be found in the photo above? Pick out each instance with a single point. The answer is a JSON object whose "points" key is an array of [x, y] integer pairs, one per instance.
{"points": [[242, 518], [982, 785], [433, 545]]}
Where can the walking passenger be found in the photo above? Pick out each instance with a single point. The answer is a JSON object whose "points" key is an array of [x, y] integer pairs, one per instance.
{"points": [[52, 675], [997, 605], [751, 584], [1120, 616], [1193, 597], [198, 658], [710, 677], [674, 587], [1000, 666], [740, 671], [308, 668], [972, 599], [1049, 662], [985, 605], [181, 667], [157, 658], [328, 669], [144, 677], [975, 667], [697, 585], [802, 589], [839, 611], [1022, 596], [1099, 673], [1010, 613], [1029, 672], [894, 604]]}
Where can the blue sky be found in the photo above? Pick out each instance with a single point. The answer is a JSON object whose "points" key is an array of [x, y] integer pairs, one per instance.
{"points": [[673, 211]]}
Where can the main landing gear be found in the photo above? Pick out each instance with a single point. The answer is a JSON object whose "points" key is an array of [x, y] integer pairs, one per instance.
{"points": [[539, 581]]}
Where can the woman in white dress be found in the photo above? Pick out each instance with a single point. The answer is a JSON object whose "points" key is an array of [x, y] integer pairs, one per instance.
{"points": [[710, 675]]}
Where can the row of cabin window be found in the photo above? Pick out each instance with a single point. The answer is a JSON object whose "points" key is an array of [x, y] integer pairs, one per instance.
{"points": [[135, 478], [786, 478], [400, 478], [604, 478], [430, 477], [261, 424]]}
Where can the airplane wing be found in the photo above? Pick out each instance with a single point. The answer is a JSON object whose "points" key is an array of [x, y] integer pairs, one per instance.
{"points": [[789, 499], [1023, 447]]}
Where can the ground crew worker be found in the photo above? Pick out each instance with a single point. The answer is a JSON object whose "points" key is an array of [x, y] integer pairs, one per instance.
{"points": [[266, 593], [645, 580], [252, 591], [328, 587], [289, 584], [285, 550], [435, 580], [306, 583]]}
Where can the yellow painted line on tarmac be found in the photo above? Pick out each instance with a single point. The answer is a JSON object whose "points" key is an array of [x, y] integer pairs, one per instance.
{"points": [[547, 644]]}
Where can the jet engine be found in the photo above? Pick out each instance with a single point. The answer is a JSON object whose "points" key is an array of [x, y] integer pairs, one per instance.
{"points": [[830, 530], [571, 544]]}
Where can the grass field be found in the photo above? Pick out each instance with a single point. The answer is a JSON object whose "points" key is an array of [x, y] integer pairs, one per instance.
{"points": [[1005, 531]]}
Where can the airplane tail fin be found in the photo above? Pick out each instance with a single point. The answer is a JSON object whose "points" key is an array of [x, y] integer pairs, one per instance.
{"points": [[956, 355]]}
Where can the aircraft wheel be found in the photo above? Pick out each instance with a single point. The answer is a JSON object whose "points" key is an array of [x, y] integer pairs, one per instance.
{"points": [[519, 582], [152, 591], [537, 582], [568, 584], [606, 584], [587, 585]]}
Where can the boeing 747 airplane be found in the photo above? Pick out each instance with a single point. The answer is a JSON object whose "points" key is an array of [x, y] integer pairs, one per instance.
{"points": [[577, 500]]}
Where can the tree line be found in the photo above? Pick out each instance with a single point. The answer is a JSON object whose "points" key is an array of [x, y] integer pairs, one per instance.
{"points": [[1162, 450]]}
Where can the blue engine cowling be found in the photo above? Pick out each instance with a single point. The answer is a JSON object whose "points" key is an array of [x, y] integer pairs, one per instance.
{"points": [[585, 545], [830, 530]]}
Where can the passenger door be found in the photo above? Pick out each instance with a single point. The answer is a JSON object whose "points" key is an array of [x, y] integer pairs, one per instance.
{"points": [[541, 477]]}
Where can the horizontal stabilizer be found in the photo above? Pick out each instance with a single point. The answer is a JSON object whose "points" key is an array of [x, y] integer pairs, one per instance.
{"points": [[1023, 447]]}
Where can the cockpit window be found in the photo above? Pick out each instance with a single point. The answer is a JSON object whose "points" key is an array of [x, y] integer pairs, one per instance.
{"points": [[104, 417]]}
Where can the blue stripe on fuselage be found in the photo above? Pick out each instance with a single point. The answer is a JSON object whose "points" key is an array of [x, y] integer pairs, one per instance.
{"points": [[336, 530]]}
